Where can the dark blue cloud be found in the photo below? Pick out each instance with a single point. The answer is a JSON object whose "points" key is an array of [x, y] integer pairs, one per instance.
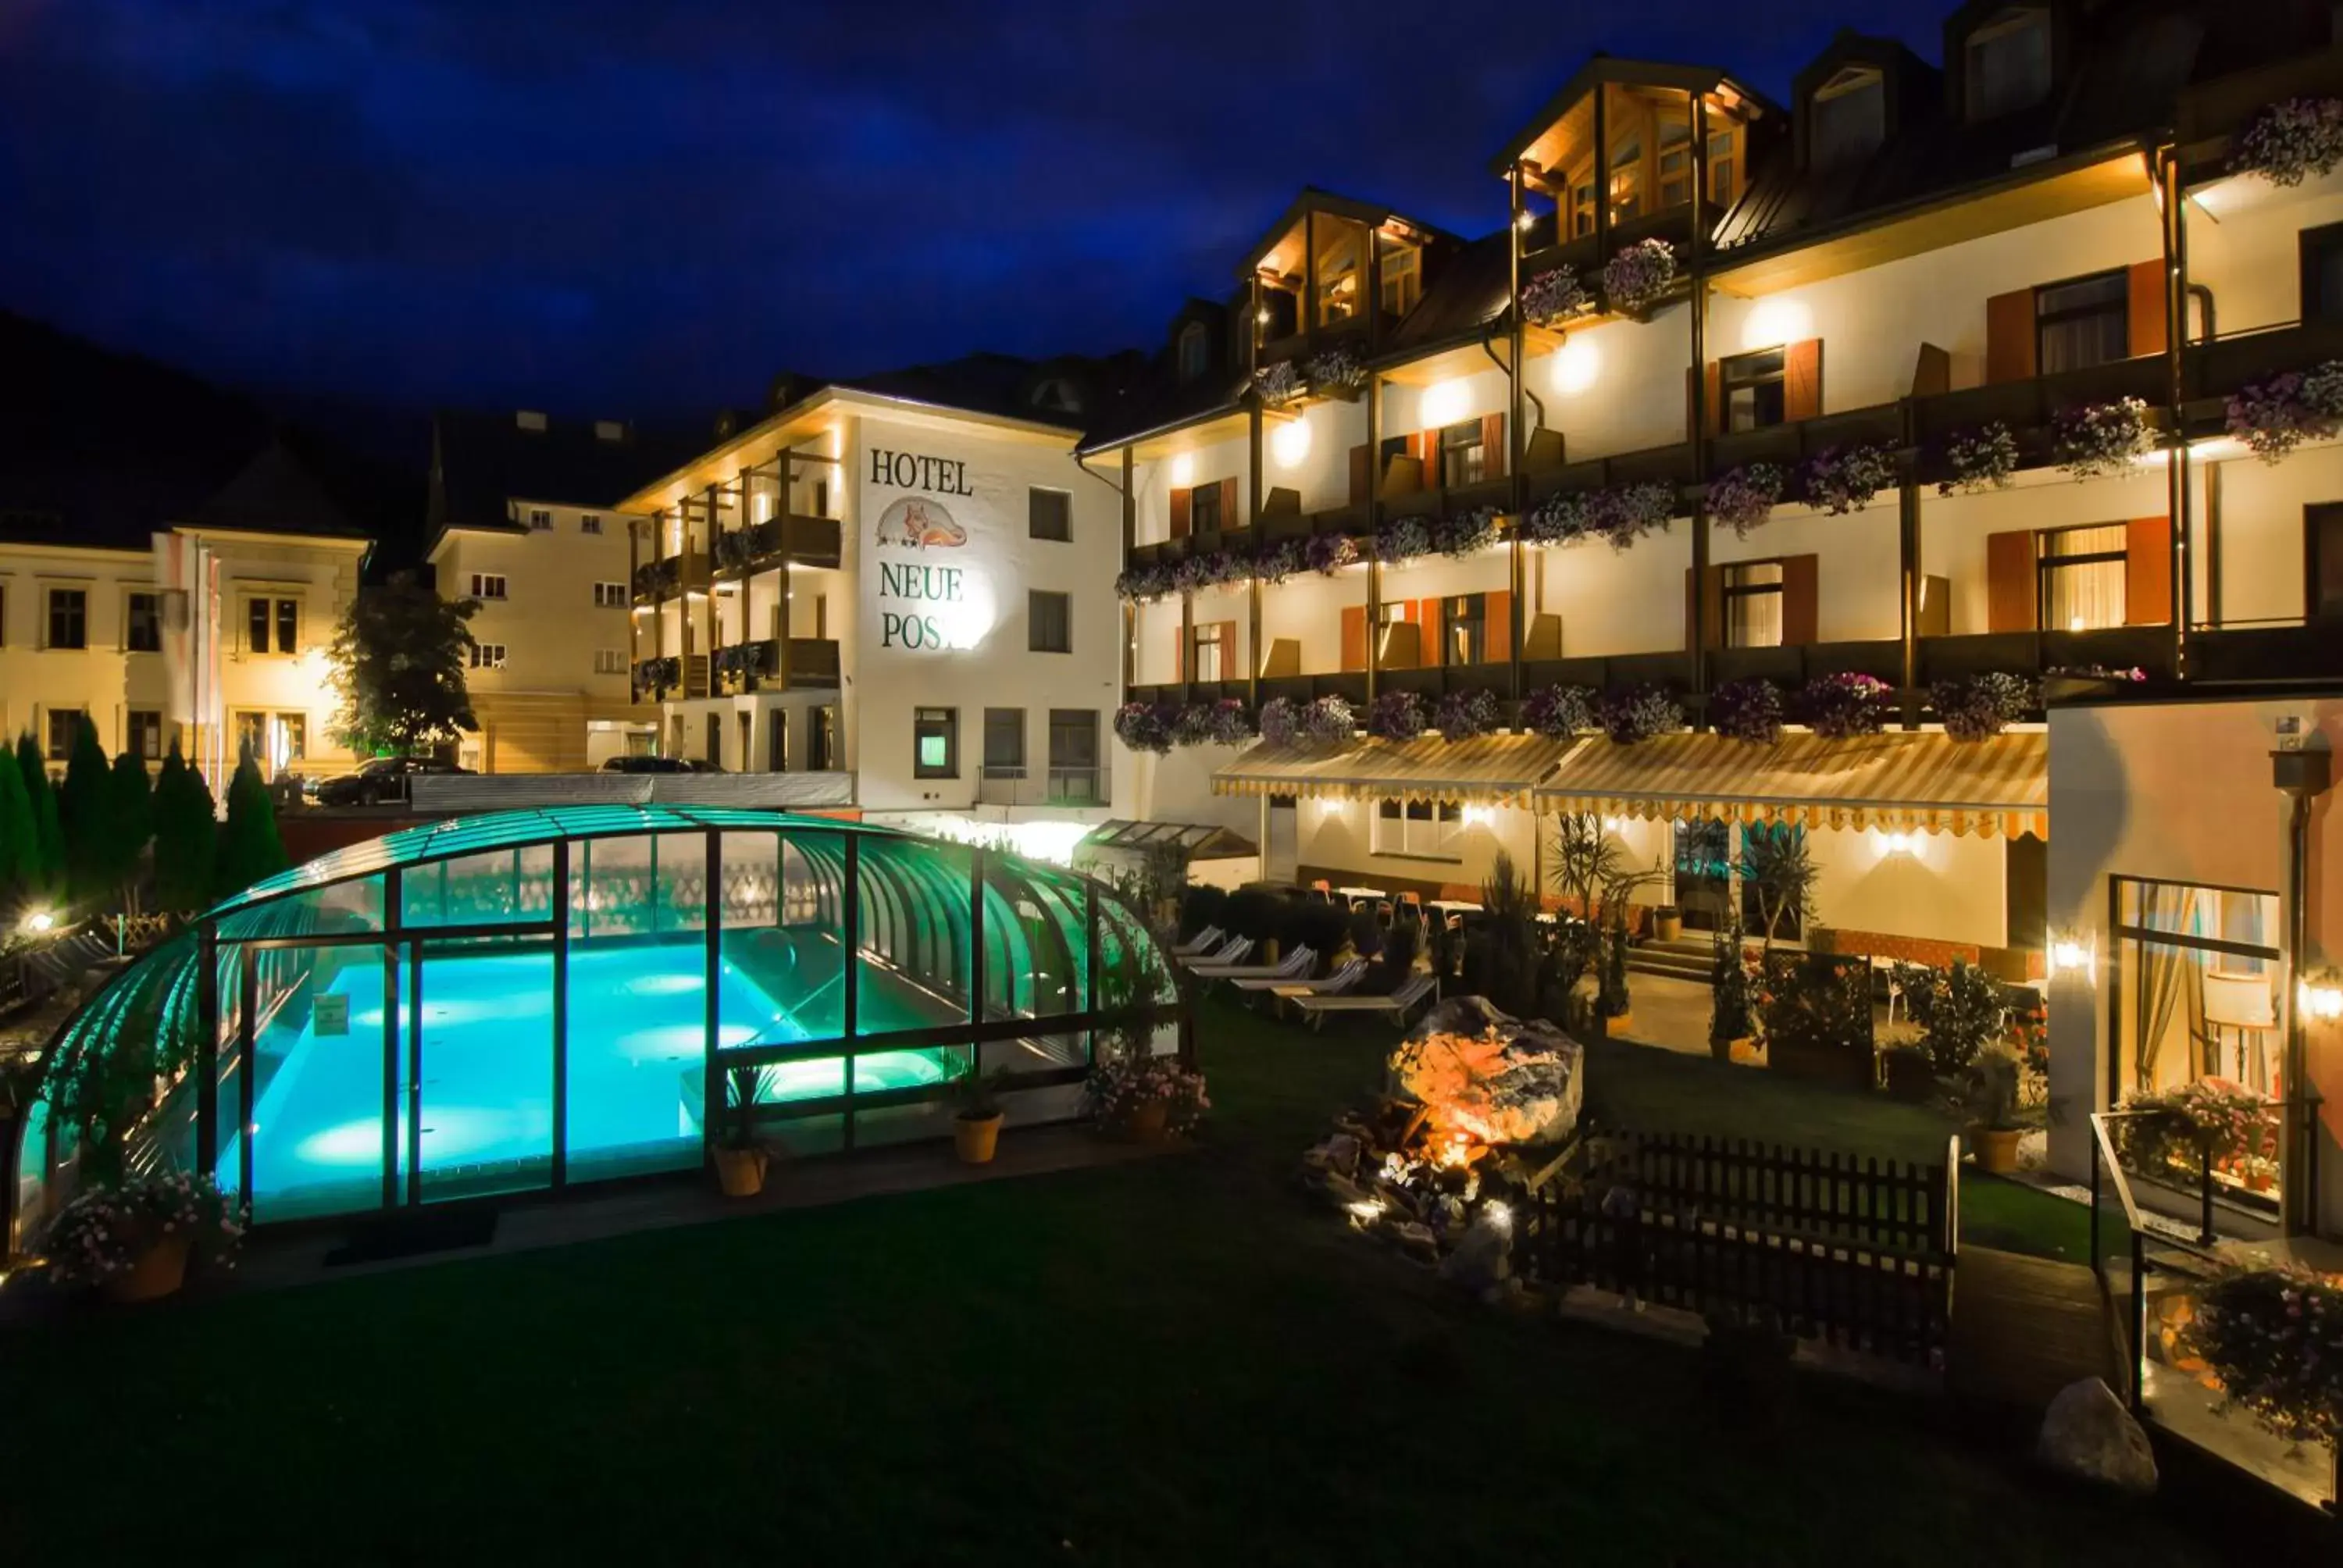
{"points": [[604, 204]]}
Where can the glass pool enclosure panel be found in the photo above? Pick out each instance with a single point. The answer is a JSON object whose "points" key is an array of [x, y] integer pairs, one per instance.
{"points": [[303, 1105], [637, 1045], [478, 1060]]}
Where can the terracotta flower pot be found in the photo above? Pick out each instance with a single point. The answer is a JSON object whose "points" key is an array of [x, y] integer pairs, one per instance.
{"points": [[1667, 928], [740, 1172], [1997, 1149], [975, 1137], [1747, 1051], [1149, 1121], [155, 1272]]}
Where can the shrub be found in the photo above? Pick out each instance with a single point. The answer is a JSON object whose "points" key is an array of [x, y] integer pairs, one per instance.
{"points": [[1959, 1011], [2274, 1336], [1201, 905], [1254, 912], [1321, 927], [101, 1232], [1732, 998], [1816, 1003], [1747, 710]]}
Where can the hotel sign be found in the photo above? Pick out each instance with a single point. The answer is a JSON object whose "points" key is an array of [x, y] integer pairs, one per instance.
{"points": [[922, 606]]}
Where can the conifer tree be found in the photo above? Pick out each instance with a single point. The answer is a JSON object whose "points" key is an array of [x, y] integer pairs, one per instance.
{"points": [[48, 832], [20, 849], [82, 805], [186, 830], [130, 822], [249, 848]]}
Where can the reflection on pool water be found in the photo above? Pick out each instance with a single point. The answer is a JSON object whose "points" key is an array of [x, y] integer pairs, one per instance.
{"points": [[636, 1028]]}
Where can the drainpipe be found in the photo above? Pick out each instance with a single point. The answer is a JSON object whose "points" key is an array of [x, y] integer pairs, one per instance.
{"points": [[2301, 776]]}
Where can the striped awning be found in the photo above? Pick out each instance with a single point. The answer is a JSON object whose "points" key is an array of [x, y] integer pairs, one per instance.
{"points": [[1896, 782], [1487, 771]]}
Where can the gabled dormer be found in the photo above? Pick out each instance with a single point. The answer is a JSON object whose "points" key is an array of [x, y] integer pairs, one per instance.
{"points": [[2003, 57], [1856, 98], [1199, 346], [1332, 268]]}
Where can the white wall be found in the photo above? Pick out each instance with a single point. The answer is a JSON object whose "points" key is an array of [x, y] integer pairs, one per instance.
{"points": [[2244, 245], [2260, 541], [1615, 388], [1946, 888], [1614, 601], [548, 622]]}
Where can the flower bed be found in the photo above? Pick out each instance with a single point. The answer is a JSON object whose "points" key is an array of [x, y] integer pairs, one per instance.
{"points": [[1120, 1088], [1146, 725], [1744, 499], [1748, 711], [2099, 440], [2210, 1119], [1559, 711], [1634, 279], [1395, 716], [1621, 515], [2291, 141], [1974, 707], [1462, 715], [1845, 478], [1634, 713], [1838, 706], [1982, 459], [106, 1232]]}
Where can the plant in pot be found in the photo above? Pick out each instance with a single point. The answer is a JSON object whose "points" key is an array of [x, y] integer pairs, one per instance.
{"points": [[1987, 1100], [741, 1157], [133, 1240], [1667, 922], [1731, 999], [977, 1113], [1146, 1097]]}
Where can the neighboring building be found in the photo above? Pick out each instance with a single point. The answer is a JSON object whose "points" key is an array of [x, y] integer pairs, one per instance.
{"points": [[901, 585], [1900, 258], [523, 518], [171, 564]]}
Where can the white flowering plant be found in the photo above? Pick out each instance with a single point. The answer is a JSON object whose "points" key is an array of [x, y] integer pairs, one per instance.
{"points": [[2273, 418], [1558, 712], [1744, 499], [2099, 440], [1845, 478], [2291, 141], [1338, 370], [1982, 459], [1279, 384], [1119, 1085], [1554, 295], [104, 1230], [1635, 278], [1621, 515], [2274, 1336]]}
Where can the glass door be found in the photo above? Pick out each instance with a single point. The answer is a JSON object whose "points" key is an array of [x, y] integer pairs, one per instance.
{"points": [[475, 1080], [1703, 874]]}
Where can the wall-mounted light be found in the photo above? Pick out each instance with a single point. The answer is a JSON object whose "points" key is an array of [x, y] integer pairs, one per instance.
{"points": [[1899, 843], [2320, 996], [1183, 470], [1478, 816], [1443, 403], [1525, 220], [1774, 322], [1575, 367], [1615, 824], [1262, 316], [39, 922], [1290, 443], [2071, 952]]}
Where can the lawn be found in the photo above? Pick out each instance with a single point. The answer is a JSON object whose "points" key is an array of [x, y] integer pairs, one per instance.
{"points": [[1180, 1361]]}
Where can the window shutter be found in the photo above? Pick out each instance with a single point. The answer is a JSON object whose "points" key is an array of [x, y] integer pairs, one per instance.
{"points": [[1354, 636], [1363, 470], [1229, 518], [2147, 571], [1179, 652], [1801, 601], [2011, 592], [1434, 651], [1178, 514], [2147, 327], [1802, 379], [1711, 609], [1493, 445], [1497, 612], [2009, 336], [1231, 666], [1712, 391]]}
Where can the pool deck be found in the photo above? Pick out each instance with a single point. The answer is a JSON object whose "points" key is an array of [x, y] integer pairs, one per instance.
{"points": [[298, 1257]]}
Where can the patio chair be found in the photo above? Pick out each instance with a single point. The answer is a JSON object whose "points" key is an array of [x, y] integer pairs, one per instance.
{"points": [[1396, 1006], [1234, 953], [1295, 965], [1202, 941], [1343, 979]]}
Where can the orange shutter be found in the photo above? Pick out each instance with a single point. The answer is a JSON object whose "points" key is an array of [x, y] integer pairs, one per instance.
{"points": [[2147, 334], [2148, 571], [1802, 379], [1354, 636], [1231, 666], [1497, 612], [1362, 469], [1713, 390], [1432, 647], [1801, 601], [2009, 337], [2011, 592], [1179, 652], [1178, 514], [1229, 518], [1493, 445]]}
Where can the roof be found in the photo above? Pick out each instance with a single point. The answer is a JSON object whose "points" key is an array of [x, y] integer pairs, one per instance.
{"points": [[1473, 287], [482, 463], [1196, 840], [1601, 68], [1488, 769], [1313, 199], [1923, 781]]}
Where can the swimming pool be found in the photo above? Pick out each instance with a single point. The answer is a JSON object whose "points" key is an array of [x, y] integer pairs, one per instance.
{"points": [[630, 1092]]}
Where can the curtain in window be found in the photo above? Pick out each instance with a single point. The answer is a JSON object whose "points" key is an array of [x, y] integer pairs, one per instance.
{"points": [[2171, 993], [1753, 620], [2088, 594]]}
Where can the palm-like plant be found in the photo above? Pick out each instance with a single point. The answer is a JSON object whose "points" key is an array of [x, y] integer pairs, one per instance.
{"points": [[1778, 866]]}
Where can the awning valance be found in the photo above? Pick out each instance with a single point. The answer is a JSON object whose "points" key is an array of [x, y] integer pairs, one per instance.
{"points": [[1486, 771], [1906, 781]]}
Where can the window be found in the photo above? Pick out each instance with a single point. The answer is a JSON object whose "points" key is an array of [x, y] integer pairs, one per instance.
{"points": [[1214, 658], [2322, 272], [1048, 622], [1675, 158], [1847, 119], [2084, 322], [1721, 167], [609, 661], [488, 585], [1074, 757], [1004, 743], [1205, 509], [2008, 63], [275, 740], [272, 625], [1465, 629], [2199, 983], [2323, 530], [1627, 179], [539, 519], [1423, 828], [1339, 260], [590, 523], [1049, 515], [609, 596], [1582, 207], [64, 727], [1753, 605], [2082, 576], [1462, 459], [1195, 351], [68, 618], [143, 734], [142, 623], [488, 656], [935, 743], [821, 738], [289, 738], [1402, 276], [1753, 389]]}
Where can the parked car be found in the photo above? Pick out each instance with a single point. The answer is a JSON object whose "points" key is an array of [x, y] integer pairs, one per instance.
{"points": [[645, 764], [380, 781]]}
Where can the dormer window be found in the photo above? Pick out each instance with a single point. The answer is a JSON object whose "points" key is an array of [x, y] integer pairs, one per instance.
{"points": [[1846, 119], [1399, 275], [1195, 351], [2008, 67]]}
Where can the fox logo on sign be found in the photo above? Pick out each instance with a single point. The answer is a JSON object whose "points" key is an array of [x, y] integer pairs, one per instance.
{"points": [[915, 524]]}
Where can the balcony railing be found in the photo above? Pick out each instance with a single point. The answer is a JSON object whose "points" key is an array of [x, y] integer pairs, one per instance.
{"points": [[1051, 786], [813, 664], [811, 541]]}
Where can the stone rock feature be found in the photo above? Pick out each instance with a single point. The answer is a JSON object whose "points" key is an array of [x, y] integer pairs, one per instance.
{"points": [[2089, 1433], [1484, 1260], [1489, 1077]]}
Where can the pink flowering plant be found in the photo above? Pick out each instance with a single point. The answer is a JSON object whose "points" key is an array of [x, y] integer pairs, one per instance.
{"points": [[1744, 499], [1281, 720], [1552, 295], [1845, 478], [2274, 1336], [1120, 1084], [103, 1232], [1462, 715], [1634, 279], [1219, 723], [2292, 140], [1748, 711], [2273, 418], [2099, 440], [1630, 714], [1327, 554], [1209, 569], [1146, 725], [1621, 515], [2210, 1119], [1559, 711], [1395, 716], [1982, 459], [1842, 706], [1976, 706], [1151, 580], [1328, 718]]}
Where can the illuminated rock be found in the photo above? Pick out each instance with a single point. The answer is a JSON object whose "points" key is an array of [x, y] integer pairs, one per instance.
{"points": [[1485, 1077]]}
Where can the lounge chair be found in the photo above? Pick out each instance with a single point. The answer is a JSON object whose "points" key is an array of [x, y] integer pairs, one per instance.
{"points": [[1343, 980], [1200, 943], [1397, 1005], [1296, 965], [1238, 949]]}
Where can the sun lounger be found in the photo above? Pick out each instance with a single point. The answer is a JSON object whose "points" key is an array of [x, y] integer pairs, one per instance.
{"points": [[1397, 1005], [1238, 949], [1202, 942], [1336, 984], [1296, 966]]}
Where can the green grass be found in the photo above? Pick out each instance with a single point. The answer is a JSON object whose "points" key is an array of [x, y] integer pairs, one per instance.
{"points": [[1180, 1361]]}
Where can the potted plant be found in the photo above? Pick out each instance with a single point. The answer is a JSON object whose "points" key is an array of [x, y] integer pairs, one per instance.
{"points": [[1667, 922], [134, 1240], [1732, 1002], [741, 1157], [1146, 1097], [976, 1121], [1988, 1100], [2274, 1336]]}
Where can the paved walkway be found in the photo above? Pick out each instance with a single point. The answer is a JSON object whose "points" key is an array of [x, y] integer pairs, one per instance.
{"points": [[1668, 1013]]}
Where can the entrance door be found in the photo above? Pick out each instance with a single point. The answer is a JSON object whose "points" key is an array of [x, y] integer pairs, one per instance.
{"points": [[1281, 850], [2322, 527], [475, 1080], [1703, 874], [777, 741]]}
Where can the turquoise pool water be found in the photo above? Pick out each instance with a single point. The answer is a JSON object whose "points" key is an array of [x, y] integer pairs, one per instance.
{"points": [[637, 1029]]}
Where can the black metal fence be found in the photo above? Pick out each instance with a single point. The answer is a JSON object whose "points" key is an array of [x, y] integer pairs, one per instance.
{"points": [[1855, 1252]]}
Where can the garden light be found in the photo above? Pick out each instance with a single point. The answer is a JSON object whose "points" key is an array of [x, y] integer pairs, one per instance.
{"points": [[2320, 998], [40, 921]]}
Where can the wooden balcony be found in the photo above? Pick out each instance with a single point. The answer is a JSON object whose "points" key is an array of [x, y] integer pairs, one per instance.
{"points": [[2029, 405], [1670, 465], [662, 578], [2214, 370], [1788, 444], [813, 665], [1793, 667], [2212, 112], [810, 541], [2306, 649], [2145, 647]]}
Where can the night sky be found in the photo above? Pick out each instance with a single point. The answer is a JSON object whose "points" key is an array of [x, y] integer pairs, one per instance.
{"points": [[648, 207]]}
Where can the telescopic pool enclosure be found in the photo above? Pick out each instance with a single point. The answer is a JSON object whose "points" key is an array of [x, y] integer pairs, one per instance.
{"points": [[534, 1000]]}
